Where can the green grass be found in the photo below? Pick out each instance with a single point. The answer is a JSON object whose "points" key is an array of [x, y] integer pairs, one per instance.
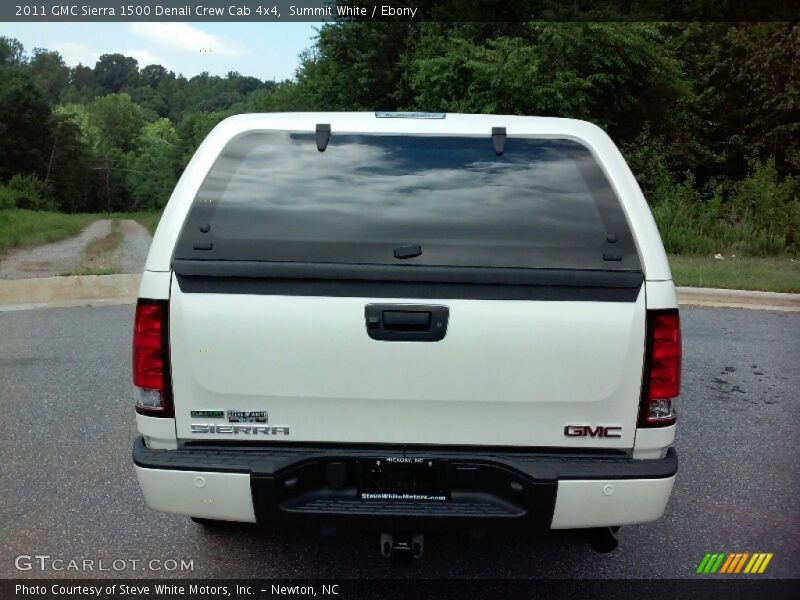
{"points": [[27, 227], [771, 274], [91, 271], [148, 218]]}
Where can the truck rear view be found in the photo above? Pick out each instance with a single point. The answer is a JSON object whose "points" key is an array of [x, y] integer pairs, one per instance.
{"points": [[404, 322]]}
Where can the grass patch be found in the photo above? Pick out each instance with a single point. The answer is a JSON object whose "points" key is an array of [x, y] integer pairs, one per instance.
{"points": [[149, 219], [27, 227], [20, 227], [778, 274], [91, 271]]}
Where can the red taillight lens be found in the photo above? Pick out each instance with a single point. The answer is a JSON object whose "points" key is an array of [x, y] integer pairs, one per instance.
{"points": [[663, 368], [665, 365], [151, 359]]}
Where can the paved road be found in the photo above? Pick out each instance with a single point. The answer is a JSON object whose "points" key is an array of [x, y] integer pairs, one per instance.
{"points": [[68, 489]]}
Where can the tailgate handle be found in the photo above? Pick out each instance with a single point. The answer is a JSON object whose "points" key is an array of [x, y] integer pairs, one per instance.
{"points": [[407, 319], [403, 322]]}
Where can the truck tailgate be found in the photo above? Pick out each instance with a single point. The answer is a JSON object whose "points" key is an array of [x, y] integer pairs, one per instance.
{"points": [[507, 373]]}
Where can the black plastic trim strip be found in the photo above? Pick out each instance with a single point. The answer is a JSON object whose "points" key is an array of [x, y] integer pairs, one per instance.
{"points": [[538, 467], [415, 290], [397, 281], [415, 273]]}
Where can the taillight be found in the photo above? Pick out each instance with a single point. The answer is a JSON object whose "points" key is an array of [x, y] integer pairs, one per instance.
{"points": [[151, 377], [662, 375]]}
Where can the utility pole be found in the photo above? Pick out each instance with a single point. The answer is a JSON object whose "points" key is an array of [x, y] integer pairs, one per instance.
{"points": [[108, 184], [108, 189], [50, 162]]}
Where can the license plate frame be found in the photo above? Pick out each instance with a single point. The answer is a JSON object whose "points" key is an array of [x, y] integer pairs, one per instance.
{"points": [[404, 478]]}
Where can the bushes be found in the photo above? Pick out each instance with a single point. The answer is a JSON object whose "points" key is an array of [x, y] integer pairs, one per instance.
{"points": [[26, 191], [757, 216], [769, 207]]}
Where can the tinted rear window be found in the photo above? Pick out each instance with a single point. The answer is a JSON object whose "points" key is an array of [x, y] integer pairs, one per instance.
{"points": [[272, 196]]}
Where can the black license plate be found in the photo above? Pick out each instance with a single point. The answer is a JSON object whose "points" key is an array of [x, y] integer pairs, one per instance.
{"points": [[403, 478]]}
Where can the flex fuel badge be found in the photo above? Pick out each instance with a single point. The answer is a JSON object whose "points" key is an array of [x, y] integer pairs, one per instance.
{"points": [[211, 414]]}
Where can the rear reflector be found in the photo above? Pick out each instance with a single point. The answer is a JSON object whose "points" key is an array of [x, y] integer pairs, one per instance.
{"points": [[151, 378], [662, 377]]}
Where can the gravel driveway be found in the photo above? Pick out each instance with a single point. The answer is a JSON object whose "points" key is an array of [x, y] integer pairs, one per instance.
{"points": [[122, 254]]}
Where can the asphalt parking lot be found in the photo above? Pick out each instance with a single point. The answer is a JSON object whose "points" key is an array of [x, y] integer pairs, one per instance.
{"points": [[69, 491]]}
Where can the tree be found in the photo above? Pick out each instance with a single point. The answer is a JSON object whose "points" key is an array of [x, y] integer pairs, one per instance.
{"points": [[118, 119], [286, 96], [49, 73], [68, 164], [78, 114], [153, 104], [192, 130], [82, 86], [153, 74], [25, 126], [758, 62], [154, 168], [244, 85], [112, 72], [12, 52], [357, 66], [618, 76]]}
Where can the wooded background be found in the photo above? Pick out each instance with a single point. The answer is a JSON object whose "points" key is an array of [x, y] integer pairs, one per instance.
{"points": [[707, 114]]}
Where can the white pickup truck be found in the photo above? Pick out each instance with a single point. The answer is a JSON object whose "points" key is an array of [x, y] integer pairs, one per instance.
{"points": [[407, 321]]}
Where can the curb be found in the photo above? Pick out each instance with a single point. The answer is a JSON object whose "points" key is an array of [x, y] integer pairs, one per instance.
{"points": [[45, 292], [689, 296], [98, 290]]}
